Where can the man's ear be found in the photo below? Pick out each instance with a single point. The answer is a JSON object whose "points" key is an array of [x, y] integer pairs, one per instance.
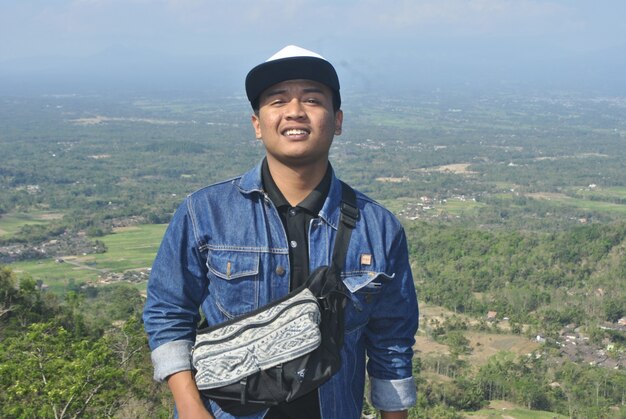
{"points": [[338, 121], [256, 124]]}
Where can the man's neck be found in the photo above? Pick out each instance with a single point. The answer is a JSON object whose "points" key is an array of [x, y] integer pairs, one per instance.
{"points": [[296, 183]]}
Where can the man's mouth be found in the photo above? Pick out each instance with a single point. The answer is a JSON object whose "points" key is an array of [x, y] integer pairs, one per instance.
{"points": [[295, 132]]}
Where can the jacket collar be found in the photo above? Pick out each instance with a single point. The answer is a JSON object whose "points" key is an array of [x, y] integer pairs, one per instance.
{"points": [[251, 182]]}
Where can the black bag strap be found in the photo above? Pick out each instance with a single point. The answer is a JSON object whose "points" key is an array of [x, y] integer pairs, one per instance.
{"points": [[347, 222]]}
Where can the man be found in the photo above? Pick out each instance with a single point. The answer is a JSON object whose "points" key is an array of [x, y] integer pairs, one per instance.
{"points": [[238, 245]]}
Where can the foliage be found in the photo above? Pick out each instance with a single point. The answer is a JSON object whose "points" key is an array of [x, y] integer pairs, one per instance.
{"points": [[55, 363], [46, 372], [526, 276], [22, 304], [590, 391]]}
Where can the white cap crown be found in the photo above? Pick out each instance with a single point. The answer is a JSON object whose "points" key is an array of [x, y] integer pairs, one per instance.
{"points": [[294, 51]]}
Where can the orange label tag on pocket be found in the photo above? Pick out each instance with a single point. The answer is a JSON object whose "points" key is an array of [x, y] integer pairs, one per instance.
{"points": [[366, 259]]}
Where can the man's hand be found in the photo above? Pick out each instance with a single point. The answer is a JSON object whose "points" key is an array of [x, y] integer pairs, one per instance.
{"points": [[402, 414], [186, 396]]}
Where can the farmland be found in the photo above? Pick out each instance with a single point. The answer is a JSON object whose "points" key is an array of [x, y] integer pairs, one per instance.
{"points": [[513, 204]]}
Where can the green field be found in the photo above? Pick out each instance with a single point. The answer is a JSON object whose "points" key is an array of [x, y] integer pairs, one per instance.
{"points": [[11, 223], [128, 248], [457, 206], [600, 199], [583, 204], [452, 206], [606, 194]]}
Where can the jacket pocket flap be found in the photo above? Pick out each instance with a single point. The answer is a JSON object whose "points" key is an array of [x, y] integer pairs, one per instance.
{"points": [[231, 265]]}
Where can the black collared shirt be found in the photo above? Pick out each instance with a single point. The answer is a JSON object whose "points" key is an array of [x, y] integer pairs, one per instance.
{"points": [[296, 221]]}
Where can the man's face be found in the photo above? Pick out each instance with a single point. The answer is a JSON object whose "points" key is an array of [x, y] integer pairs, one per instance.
{"points": [[296, 122]]}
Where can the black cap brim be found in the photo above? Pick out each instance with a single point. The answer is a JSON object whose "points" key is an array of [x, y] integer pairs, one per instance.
{"points": [[269, 73]]}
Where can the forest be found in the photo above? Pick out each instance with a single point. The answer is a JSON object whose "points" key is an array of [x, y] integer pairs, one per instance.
{"points": [[513, 203]]}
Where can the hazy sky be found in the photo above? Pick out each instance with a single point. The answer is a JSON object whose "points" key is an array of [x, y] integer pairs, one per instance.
{"points": [[397, 43]]}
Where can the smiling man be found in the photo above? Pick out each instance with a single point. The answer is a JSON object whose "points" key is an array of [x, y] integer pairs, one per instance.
{"points": [[238, 245]]}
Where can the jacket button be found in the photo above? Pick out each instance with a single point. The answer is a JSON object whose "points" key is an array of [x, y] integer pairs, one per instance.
{"points": [[280, 270]]}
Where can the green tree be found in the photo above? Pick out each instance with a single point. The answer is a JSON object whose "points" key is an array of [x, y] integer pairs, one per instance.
{"points": [[47, 373], [614, 309], [458, 344]]}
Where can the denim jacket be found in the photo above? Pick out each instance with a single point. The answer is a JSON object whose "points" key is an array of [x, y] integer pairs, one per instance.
{"points": [[225, 251]]}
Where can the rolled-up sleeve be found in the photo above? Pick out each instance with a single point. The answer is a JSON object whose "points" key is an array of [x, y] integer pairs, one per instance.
{"points": [[170, 358], [176, 288], [392, 395], [390, 335]]}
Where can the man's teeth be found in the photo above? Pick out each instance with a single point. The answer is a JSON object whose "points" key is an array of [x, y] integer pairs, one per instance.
{"points": [[295, 132]]}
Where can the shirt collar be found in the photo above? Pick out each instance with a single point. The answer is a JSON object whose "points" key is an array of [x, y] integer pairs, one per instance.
{"points": [[312, 203], [251, 183]]}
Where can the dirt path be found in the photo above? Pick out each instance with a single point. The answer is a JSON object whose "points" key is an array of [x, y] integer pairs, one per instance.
{"points": [[74, 262]]}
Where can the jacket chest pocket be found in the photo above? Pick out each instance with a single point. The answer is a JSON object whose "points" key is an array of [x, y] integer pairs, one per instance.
{"points": [[365, 290], [234, 281]]}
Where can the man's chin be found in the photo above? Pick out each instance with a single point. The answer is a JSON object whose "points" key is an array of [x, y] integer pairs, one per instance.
{"points": [[301, 160]]}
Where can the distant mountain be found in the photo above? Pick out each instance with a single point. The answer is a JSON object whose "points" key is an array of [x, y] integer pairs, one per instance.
{"points": [[125, 67], [425, 65]]}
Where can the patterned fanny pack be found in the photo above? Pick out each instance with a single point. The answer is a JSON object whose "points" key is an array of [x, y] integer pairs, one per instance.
{"points": [[285, 330]]}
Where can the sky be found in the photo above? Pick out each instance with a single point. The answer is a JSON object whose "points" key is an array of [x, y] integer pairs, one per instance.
{"points": [[374, 44]]}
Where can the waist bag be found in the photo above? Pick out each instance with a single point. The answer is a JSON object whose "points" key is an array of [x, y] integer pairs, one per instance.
{"points": [[285, 349]]}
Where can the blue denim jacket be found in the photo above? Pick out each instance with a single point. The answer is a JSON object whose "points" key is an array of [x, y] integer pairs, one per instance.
{"points": [[225, 251]]}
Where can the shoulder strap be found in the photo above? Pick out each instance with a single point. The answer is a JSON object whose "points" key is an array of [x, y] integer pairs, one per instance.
{"points": [[347, 222]]}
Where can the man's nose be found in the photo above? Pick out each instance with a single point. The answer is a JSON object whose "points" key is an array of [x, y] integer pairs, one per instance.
{"points": [[295, 110]]}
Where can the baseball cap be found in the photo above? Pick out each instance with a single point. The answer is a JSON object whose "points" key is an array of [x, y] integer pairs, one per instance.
{"points": [[290, 63]]}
